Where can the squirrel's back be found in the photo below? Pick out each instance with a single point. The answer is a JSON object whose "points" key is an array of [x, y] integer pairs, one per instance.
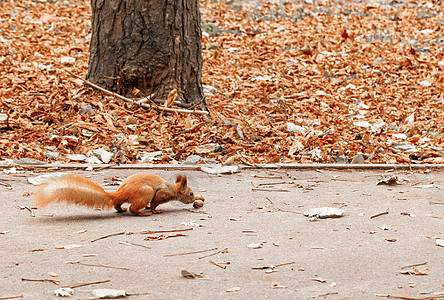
{"points": [[73, 189]]}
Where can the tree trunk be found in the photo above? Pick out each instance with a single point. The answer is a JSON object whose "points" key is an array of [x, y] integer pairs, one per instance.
{"points": [[149, 45]]}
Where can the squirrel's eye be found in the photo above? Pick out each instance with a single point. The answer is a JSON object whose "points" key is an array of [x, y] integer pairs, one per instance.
{"points": [[191, 194]]}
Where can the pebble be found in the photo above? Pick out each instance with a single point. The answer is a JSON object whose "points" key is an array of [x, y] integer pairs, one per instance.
{"points": [[324, 212]]}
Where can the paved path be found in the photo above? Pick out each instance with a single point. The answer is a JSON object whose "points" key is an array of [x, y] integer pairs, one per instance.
{"points": [[353, 257]]}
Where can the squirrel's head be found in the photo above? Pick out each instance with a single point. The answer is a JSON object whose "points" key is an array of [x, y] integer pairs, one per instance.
{"points": [[186, 195]]}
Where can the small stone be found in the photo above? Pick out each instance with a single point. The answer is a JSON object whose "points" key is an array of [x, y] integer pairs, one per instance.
{"points": [[219, 148], [64, 292], [341, 159], [358, 159], [255, 245], [108, 293], [324, 212], [440, 242]]}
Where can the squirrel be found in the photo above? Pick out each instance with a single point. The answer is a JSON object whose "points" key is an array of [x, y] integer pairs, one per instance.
{"points": [[140, 190]]}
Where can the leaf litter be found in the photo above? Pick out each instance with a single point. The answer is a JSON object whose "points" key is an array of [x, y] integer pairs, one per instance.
{"points": [[287, 82]]}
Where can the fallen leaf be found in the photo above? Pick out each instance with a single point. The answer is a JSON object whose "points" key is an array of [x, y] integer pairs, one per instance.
{"points": [[190, 275], [391, 180]]}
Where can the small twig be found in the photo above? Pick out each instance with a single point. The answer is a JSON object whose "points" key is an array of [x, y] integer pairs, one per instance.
{"points": [[217, 252], [415, 265], [199, 112], [160, 101], [100, 265], [138, 294], [413, 298], [217, 264], [5, 184], [12, 297], [291, 211], [192, 252], [283, 210], [273, 266], [326, 294], [132, 244], [269, 190], [284, 264], [43, 280], [339, 179], [28, 208], [164, 231], [197, 103], [380, 214], [270, 201], [85, 284], [163, 237], [268, 177], [434, 202], [273, 183], [107, 236]]}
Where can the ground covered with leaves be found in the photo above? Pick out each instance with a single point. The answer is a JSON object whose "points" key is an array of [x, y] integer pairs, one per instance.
{"points": [[294, 82]]}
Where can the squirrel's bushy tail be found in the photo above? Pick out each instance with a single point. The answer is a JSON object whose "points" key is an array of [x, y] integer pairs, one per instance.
{"points": [[72, 189]]}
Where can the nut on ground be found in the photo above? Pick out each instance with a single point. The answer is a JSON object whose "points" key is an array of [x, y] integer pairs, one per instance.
{"points": [[198, 203]]}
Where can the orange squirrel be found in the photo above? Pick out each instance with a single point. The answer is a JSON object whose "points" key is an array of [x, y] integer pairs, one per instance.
{"points": [[140, 190]]}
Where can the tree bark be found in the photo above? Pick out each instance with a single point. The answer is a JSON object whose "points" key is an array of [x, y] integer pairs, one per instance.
{"points": [[150, 45]]}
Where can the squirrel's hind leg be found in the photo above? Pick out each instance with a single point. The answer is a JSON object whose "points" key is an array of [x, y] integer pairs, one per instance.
{"points": [[119, 208], [137, 205], [141, 202]]}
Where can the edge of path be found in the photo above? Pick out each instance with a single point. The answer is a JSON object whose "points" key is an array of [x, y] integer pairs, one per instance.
{"points": [[197, 167]]}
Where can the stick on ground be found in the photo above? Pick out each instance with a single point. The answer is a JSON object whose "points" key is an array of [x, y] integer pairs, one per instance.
{"points": [[186, 111], [192, 252], [107, 236], [42, 280], [380, 214], [85, 284]]}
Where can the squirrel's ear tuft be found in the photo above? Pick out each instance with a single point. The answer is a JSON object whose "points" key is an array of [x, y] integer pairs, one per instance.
{"points": [[178, 178], [183, 183]]}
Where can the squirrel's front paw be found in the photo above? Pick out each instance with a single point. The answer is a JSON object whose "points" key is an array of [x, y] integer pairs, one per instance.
{"points": [[157, 211]]}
